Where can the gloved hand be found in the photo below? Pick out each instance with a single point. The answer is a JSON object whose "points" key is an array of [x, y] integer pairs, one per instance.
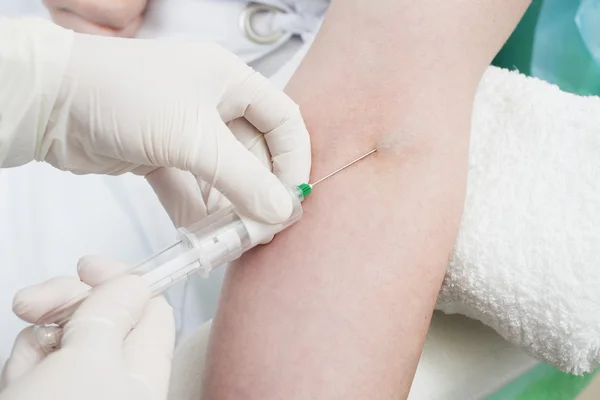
{"points": [[98, 17], [118, 345], [136, 105]]}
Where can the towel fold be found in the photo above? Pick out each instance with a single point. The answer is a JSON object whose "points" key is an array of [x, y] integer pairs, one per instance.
{"points": [[527, 259]]}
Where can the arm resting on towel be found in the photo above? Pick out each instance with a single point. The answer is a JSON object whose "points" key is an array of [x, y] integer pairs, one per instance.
{"points": [[338, 306]]}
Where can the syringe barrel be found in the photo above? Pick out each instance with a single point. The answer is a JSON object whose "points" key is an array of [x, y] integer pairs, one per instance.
{"points": [[213, 241], [216, 240]]}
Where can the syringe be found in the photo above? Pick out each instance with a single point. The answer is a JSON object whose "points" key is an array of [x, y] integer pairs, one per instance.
{"points": [[216, 240]]}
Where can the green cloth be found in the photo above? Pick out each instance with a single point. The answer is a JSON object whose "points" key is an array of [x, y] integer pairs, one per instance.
{"points": [[543, 383], [548, 44], [516, 53]]}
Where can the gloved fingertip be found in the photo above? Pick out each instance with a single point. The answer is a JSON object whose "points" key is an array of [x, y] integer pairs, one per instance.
{"points": [[21, 301], [274, 206], [30, 297], [32, 302], [84, 263], [163, 306], [293, 168], [95, 270], [267, 240]]}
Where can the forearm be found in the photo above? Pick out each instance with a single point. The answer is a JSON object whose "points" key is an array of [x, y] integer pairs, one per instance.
{"points": [[338, 305]]}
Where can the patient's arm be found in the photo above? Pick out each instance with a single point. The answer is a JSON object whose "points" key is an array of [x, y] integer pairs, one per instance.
{"points": [[337, 307]]}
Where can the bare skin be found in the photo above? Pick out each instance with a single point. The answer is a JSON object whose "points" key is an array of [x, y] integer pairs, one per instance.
{"points": [[98, 17], [338, 306]]}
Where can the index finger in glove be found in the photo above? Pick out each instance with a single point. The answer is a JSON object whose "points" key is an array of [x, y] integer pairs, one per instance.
{"points": [[107, 316], [276, 115], [33, 302]]}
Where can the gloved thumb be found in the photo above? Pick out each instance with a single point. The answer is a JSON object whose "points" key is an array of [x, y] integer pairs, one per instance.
{"points": [[25, 354], [34, 302], [106, 317]]}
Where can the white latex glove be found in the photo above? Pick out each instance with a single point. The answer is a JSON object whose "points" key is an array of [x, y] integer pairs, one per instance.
{"points": [[118, 344], [137, 105]]}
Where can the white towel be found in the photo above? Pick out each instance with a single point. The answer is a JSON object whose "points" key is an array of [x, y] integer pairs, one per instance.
{"points": [[527, 260]]}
